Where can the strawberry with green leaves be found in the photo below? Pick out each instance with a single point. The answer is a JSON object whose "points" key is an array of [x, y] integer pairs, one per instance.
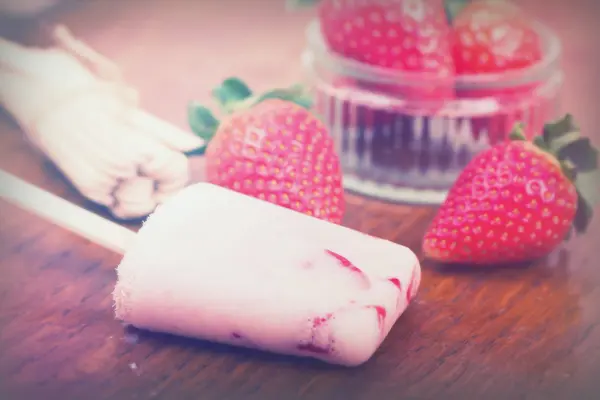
{"points": [[518, 200], [270, 146]]}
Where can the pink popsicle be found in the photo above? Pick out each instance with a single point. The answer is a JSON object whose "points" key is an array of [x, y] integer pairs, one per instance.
{"points": [[213, 264]]}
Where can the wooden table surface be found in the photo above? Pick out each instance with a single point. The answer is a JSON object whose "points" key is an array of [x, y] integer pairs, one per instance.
{"points": [[511, 333]]}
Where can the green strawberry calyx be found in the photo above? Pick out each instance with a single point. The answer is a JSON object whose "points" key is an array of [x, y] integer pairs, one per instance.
{"points": [[578, 159], [234, 95], [300, 4], [454, 8]]}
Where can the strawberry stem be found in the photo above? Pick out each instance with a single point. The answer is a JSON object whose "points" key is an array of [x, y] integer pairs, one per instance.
{"points": [[454, 8], [578, 159], [300, 4], [517, 132]]}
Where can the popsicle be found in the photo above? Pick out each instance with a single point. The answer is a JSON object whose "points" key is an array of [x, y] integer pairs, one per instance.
{"points": [[220, 266]]}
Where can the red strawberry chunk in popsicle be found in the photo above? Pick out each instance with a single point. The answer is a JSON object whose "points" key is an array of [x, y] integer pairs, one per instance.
{"points": [[322, 340], [345, 263], [313, 348], [381, 314], [395, 282], [313, 345], [412, 286]]}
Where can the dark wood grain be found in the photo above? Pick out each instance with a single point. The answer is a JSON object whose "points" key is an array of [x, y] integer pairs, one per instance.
{"points": [[527, 332]]}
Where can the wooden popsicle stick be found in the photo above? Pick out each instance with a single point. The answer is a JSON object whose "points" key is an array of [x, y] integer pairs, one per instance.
{"points": [[65, 214]]}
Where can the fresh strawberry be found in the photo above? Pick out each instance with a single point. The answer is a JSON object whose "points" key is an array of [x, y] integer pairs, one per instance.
{"points": [[398, 35], [274, 149], [517, 200], [494, 36], [406, 35]]}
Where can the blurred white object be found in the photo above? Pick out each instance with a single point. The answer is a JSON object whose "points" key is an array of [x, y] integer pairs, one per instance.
{"points": [[74, 107], [26, 8]]}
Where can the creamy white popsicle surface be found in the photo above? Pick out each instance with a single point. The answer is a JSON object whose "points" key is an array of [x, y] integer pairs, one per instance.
{"points": [[217, 265]]}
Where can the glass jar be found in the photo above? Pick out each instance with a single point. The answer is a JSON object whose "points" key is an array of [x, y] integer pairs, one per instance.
{"points": [[399, 146]]}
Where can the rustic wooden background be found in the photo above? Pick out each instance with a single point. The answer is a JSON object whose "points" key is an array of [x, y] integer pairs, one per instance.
{"points": [[511, 333]]}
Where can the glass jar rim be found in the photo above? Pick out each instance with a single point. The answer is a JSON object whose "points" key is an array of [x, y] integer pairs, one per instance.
{"points": [[372, 74]]}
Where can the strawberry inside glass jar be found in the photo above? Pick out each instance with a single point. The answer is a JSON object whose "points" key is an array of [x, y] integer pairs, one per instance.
{"points": [[410, 103], [500, 52]]}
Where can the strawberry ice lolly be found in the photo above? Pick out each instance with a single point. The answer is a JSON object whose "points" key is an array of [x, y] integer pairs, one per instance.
{"points": [[221, 266], [225, 267]]}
